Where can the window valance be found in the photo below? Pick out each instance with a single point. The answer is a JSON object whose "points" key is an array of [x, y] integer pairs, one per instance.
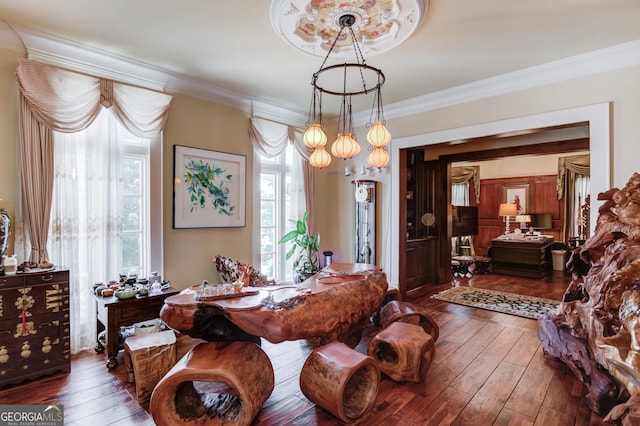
{"points": [[465, 174], [53, 99], [577, 165], [68, 102]]}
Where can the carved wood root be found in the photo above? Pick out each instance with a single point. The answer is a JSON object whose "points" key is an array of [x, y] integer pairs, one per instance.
{"points": [[215, 383], [340, 380], [403, 352], [604, 391], [407, 312]]}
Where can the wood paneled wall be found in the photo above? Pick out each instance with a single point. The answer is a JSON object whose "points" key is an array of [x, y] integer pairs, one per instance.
{"points": [[542, 199]]}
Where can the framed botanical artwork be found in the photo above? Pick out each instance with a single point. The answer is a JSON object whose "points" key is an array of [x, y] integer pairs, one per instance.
{"points": [[517, 194], [208, 188]]}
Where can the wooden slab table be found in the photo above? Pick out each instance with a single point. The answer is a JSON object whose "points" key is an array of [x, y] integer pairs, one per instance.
{"points": [[335, 304]]}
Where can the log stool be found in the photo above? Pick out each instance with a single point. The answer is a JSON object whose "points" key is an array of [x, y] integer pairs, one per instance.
{"points": [[147, 359], [397, 310], [214, 383], [403, 352], [340, 380]]}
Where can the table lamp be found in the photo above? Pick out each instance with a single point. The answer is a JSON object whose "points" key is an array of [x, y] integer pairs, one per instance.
{"points": [[523, 219], [507, 210]]}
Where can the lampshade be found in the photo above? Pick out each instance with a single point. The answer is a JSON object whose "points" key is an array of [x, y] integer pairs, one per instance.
{"points": [[314, 136], [345, 146], [379, 157], [366, 80], [507, 209], [523, 218], [378, 135], [320, 158]]}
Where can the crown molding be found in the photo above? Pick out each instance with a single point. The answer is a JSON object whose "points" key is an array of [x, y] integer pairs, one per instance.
{"points": [[616, 57], [61, 52]]}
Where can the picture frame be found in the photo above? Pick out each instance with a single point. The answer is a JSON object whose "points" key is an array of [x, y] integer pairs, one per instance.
{"points": [[209, 188], [517, 194]]}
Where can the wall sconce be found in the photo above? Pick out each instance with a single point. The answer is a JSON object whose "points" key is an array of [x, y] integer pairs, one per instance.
{"points": [[507, 210]]}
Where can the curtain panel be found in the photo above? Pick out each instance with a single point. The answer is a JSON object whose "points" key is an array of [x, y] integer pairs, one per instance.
{"points": [[270, 139], [570, 168], [465, 174], [52, 98]]}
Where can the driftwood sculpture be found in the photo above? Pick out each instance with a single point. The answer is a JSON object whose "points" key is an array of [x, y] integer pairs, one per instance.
{"points": [[596, 329]]}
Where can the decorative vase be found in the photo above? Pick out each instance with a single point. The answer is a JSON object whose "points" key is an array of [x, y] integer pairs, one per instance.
{"points": [[5, 223]]}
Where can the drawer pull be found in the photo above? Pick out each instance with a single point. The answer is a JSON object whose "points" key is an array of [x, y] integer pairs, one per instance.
{"points": [[47, 277], [45, 324], [5, 331]]}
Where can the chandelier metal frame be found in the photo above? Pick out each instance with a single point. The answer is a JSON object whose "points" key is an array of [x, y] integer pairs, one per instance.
{"points": [[346, 146]]}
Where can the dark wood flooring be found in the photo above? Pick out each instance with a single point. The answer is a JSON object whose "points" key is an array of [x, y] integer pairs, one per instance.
{"points": [[489, 369]]}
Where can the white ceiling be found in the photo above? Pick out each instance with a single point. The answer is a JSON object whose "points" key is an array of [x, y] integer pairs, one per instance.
{"points": [[232, 44]]}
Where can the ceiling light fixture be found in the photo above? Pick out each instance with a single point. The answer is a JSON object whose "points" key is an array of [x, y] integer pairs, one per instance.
{"points": [[370, 80]]}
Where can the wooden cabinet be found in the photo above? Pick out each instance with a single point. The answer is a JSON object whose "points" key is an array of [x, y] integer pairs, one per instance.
{"points": [[112, 313], [419, 253], [523, 258], [34, 325]]}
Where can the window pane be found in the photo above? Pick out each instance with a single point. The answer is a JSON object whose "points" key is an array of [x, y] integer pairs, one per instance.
{"points": [[131, 251], [267, 240], [267, 213], [267, 186], [267, 265], [132, 214], [132, 176]]}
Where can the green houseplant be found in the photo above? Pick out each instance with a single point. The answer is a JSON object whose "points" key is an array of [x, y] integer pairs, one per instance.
{"points": [[305, 247]]}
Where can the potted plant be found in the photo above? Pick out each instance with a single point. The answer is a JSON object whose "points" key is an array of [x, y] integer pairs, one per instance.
{"points": [[305, 247]]}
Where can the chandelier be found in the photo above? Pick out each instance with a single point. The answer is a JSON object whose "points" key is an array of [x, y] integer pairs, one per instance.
{"points": [[346, 146]]}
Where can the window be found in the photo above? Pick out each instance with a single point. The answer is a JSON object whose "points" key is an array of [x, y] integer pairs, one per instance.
{"points": [[276, 177], [101, 217], [581, 199]]}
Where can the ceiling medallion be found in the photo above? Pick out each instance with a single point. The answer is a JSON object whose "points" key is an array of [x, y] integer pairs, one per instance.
{"points": [[380, 25]]}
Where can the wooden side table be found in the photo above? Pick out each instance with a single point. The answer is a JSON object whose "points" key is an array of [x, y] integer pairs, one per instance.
{"points": [[113, 313]]}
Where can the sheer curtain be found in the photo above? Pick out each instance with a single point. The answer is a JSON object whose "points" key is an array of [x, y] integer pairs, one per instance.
{"points": [[87, 214], [52, 100]]}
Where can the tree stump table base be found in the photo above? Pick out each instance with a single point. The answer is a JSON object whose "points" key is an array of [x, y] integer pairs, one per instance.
{"points": [[397, 310], [147, 359], [403, 352], [340, 380], [215, 383]]}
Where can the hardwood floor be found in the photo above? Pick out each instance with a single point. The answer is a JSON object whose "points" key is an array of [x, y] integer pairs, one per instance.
{"points": [[489, 369]]}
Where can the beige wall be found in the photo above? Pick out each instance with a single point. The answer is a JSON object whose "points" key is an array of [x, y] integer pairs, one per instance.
{"points": [[620, 87], [188, 253], [8, 133]]}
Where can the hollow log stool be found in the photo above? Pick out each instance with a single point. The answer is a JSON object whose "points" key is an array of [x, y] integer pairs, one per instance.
{"points": [[147, 359], [403, 352], [397, 310], [340, 380], [215, 383]]}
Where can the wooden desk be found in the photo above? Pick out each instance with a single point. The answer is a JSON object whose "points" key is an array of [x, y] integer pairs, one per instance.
{"points": [[112, 313], [330, 308], [522, 258]]}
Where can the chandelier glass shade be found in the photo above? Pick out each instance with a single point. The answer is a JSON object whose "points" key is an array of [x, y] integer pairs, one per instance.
{"points": [[320, 158], [314, 137], [346, 146]]}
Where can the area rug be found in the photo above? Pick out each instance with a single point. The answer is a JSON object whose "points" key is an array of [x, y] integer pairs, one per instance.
{"points": [[498, 301]]}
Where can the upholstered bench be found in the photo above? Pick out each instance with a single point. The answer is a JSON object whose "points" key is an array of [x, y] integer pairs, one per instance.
{"points": [[403, 352], [341, 380], [214, 383], [147, 358]]}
